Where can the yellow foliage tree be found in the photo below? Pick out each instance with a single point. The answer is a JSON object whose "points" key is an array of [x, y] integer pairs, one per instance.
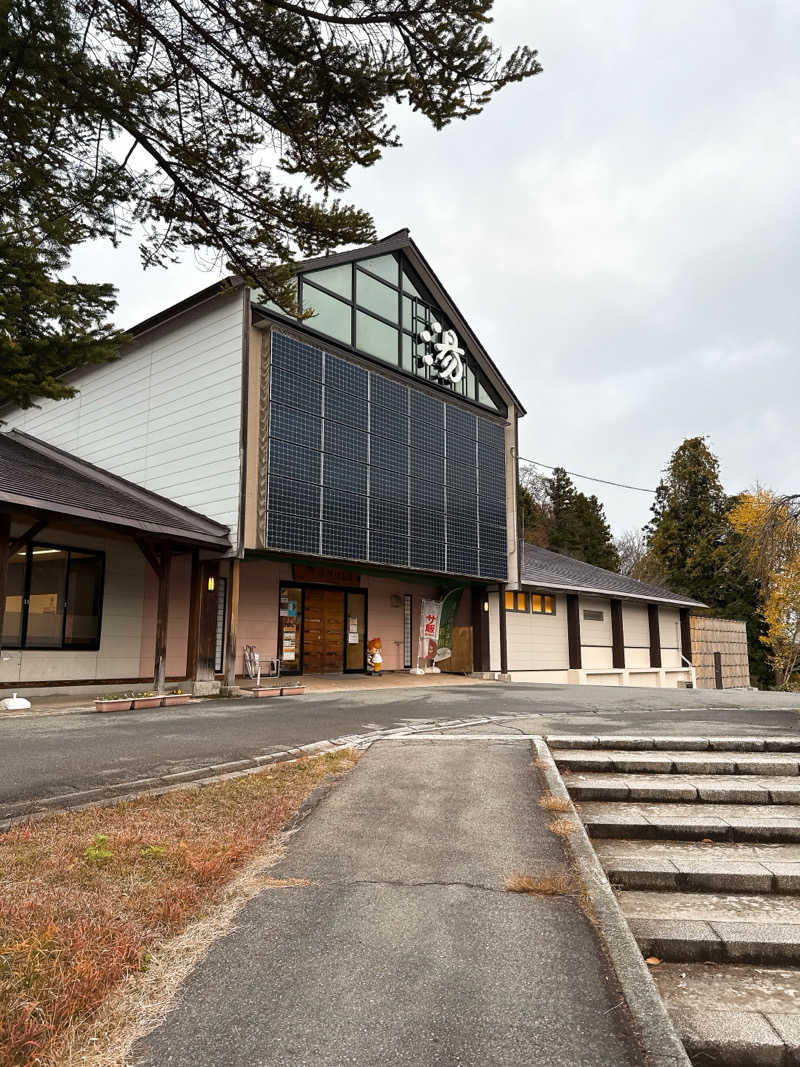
{"points": [[770, 531]]}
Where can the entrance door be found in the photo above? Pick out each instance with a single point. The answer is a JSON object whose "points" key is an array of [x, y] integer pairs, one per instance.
{"points": [[323, 631]]}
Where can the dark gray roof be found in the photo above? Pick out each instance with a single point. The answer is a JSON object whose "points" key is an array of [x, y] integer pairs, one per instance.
{"points": [[38, 477], [549, 570]]}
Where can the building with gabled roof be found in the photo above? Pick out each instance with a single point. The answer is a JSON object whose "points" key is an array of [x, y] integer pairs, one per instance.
{"points": [[239, 478]]}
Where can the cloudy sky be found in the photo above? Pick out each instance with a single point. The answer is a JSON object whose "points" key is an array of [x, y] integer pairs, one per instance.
{"points": [[621, 232]]}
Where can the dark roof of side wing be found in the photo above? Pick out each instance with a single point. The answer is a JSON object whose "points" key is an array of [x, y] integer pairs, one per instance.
{"points": [[540, 567], [40, 477]]}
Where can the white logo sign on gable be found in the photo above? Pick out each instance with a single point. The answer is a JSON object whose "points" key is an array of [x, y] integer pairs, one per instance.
{"points": [[444, 356]]}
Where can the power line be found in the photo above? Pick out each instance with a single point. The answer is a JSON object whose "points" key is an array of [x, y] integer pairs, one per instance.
{"points": [[587, 477]]}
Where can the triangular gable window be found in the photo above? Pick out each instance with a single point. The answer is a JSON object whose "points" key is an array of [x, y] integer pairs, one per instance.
{"points": [[379, 307]]}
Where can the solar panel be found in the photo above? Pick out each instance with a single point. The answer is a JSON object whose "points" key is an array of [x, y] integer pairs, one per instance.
{"points": [[362, 467]]}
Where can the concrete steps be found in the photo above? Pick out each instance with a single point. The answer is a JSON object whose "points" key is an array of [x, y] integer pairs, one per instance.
{"points": [[700, 838], [716, 789], [764, 764], [731, 1015], [677, 821]]}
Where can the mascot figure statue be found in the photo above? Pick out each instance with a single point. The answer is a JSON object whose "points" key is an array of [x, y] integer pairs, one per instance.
{"points": [[374, 656]]}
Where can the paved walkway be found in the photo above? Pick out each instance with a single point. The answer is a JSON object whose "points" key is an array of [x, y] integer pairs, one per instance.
{"points": [[404, 947]]}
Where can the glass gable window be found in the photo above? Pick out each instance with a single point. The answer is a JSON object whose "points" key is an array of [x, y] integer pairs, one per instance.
{"points": [[375, 296], [373, 305], [331, 316], [337, 279], [376, 337], [54, 598]]}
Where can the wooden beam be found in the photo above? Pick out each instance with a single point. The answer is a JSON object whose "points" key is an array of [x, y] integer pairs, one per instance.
{"points": [[655, 635], [232, 623], [27, 537], [162, 619], [574, 631], [5, 553], [480, 630], [686, 634], [195, 601], [503, 632], [149, 555], [617, 635]]}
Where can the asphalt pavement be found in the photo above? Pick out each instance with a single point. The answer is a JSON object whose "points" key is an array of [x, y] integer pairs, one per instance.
{"points": [[403, 947], [45, 755]]}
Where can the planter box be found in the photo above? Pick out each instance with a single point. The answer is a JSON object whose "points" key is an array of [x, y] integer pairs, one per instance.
{"points": [[123, 704], [147, 702], [266, 691], [292, 690], [174, 698]]}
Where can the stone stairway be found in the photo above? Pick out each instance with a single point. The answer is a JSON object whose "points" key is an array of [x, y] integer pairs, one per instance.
{"points": [[700, 838]]}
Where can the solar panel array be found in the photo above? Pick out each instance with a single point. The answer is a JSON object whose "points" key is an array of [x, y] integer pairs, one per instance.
{"points": [[365, 468]]}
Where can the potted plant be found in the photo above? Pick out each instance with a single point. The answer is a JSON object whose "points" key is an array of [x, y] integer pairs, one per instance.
{"points": [[176, 697], [112, 703], [147, 700]]}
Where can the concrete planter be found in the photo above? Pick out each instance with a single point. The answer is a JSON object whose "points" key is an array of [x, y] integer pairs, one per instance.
{"points": [[147, 702], [266, 691], [174, 698], [121, 704], [292, 690]]}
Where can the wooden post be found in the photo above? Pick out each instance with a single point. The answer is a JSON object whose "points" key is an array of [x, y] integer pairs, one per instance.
{"points": [[162, 618], [655, 635], [574, 631], [195, 600], [686, 635], [480, 630], [232, 623], [503, 632], [617, 635], [5, 545]]}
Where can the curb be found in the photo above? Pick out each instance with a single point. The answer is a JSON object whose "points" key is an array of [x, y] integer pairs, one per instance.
{"points": [[195, 778], [660, 1041]]}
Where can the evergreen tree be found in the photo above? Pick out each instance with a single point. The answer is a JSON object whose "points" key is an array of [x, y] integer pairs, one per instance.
{"points": [[184, 119], [579, 526], [692, 545]]}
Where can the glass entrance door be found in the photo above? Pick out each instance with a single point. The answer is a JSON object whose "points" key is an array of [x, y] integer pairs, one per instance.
{"points": [[355, 631], [290, 621]]}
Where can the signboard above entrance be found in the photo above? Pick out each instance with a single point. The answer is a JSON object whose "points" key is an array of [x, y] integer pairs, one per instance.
{"points": [[303, 572]]}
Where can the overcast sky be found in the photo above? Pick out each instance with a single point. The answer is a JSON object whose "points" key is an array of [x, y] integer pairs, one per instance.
{"points": [[620, 231]]}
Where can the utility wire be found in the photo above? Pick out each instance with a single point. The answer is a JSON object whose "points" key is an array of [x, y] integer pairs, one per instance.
{"points": [[587, 477]]}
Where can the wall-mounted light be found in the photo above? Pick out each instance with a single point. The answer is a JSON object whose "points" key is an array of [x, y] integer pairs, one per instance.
{"points": [[486, 605], [211, 585]]}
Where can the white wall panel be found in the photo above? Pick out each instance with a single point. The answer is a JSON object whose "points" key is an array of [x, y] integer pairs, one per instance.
{"points": [[166, 415], [538, 642], [593, 657], [669, 627], [635, 625], [596, 633]]}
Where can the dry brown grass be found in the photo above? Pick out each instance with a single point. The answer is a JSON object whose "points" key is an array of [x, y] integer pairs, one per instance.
{"points": [[550, 802], [549, 885], [563, 827], [87, 898]]}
